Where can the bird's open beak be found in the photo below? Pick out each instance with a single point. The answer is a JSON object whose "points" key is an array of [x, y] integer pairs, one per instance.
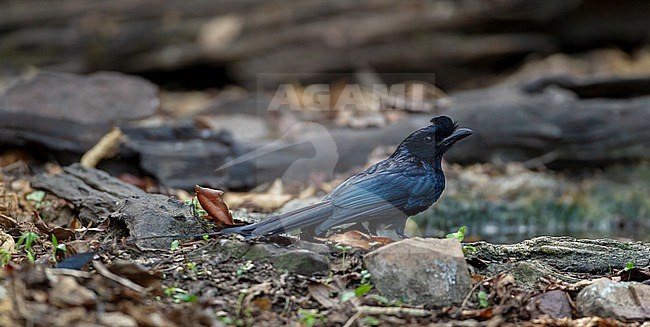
{"points": [[456, 136]]}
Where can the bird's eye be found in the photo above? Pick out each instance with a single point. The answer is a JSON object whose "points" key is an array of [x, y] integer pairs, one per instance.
{"points": [[428, 139]]}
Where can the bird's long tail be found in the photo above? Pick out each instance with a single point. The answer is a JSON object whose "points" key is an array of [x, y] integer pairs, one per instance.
{"points": [[303, 217]]}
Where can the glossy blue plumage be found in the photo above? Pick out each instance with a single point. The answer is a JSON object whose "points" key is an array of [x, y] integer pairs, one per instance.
{"points": [[387, 193]]}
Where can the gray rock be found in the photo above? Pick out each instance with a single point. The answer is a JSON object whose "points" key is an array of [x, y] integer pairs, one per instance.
{"points": [[302, 262], [421, 270], [554, 304], [295, 260], [150, 215], [95, 193], [628, 301]]}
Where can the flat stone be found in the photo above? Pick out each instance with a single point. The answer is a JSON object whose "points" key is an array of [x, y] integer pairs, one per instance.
{"points": [[295, 260], [301, 262], [153, 215], [554, 304], [627, 301], [421, 270]]}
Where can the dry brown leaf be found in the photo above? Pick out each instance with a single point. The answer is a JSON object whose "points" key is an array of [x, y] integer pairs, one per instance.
{"points": [[212, 202], [359, 240], [62, 234], [321, 293], [7, 242], [8, 222]]}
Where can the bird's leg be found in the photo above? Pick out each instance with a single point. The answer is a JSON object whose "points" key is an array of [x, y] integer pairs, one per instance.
{"points": [[308, 233], [399, 230], [372, 228]]}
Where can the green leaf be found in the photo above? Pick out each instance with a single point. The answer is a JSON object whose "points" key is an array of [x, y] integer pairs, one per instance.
{"points": [[186, 297], [169, 291], [468, 249], [629, 265], [36, 196], [361, 290], [30, 257], [381, 299], [372, 321], [459, 235], [176, 245], [483, 299]]}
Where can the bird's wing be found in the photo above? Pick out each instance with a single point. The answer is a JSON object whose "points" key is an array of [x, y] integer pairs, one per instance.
{"points": [[382, 193]]}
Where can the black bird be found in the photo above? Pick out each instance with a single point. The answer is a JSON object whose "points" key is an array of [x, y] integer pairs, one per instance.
{"points": [[406, 183]]}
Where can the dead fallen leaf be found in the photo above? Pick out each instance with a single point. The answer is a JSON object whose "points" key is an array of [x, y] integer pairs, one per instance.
{"points": [[8, 222], [323, 294], [503, 284], [484, 314], [75, 224], [7, 242], [212, 202], [263, 303], [327, 294], [359, 240], [62, 234]]}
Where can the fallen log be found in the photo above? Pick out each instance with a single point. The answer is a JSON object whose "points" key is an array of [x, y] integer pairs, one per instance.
{"points": [[306, 37]]}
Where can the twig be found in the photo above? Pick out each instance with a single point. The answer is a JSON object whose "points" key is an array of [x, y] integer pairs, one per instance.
{"points": [[102, 270], [105, 148], [472, 291], [67, 272], [393, 311], [352, 319]]}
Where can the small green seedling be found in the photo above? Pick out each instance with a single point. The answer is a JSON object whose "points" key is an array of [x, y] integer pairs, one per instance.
{"points": [[248, 265], [196, 206], [483, 299], [180, 294], [344, 249], [192, 266], [385, 301], [38, 197], [629, 266], [175, 245], [5, 257], [372, 321], [56, 247], [361, 290], [28, 239], [310, 317], [365, 277], [460, 236]]}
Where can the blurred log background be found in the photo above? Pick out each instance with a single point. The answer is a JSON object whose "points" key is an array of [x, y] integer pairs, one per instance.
{"points": [[561, 84], [465, 43]]}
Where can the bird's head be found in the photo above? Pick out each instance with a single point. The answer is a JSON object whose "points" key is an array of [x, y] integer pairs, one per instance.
{"points": [[430, 143]]}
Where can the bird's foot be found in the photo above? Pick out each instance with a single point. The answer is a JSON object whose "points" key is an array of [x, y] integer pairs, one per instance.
{"points": [[400, 233]]}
